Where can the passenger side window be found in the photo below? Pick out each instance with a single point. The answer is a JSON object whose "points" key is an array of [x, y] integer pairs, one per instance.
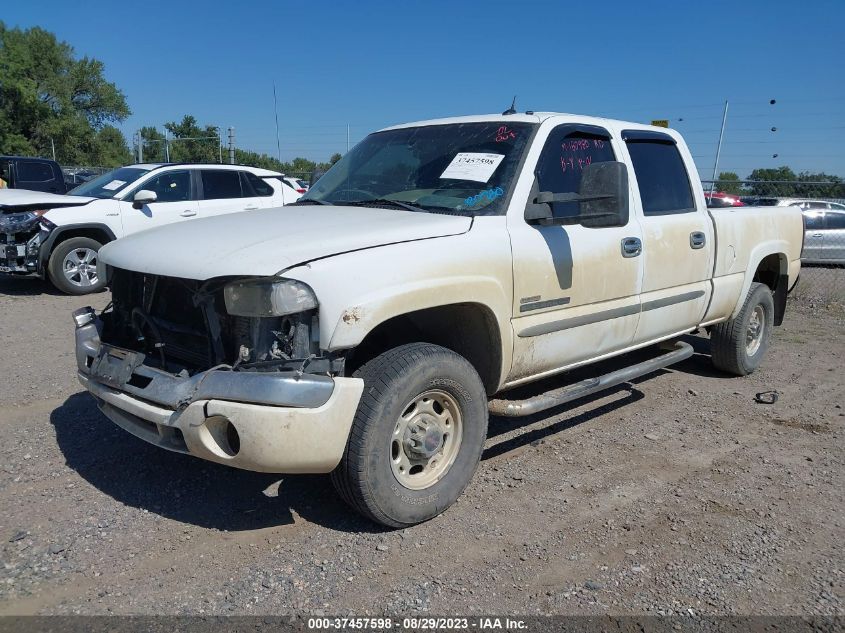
{"points": [[815, 205], [220, 184], [258, 185], [814, 221], [31, 171], [171, 186], [835, 221], [566, 153], [662, 176]]}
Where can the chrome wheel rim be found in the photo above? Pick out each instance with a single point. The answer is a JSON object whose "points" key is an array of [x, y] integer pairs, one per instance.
{"points": [[754, 334], [426, 439], [80, 267]]}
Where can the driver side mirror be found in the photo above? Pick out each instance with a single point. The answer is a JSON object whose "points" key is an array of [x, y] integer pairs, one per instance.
{"points": [[602, 198], [144, 196]]}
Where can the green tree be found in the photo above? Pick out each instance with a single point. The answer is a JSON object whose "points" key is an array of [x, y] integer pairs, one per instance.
{"points": [[773, 182], [190, 150], [48, 96], [111, 148], [335, 157], [729, 183]]}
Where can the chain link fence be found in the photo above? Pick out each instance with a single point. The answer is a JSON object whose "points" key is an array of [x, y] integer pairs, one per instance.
{"points": [[822, 204], [77, 174]]}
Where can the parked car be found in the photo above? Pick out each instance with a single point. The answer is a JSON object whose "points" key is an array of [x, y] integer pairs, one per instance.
{"points": [[35, 174], [59, 236], [824, 234], [299, 186], [719, 199], [369, 330]]}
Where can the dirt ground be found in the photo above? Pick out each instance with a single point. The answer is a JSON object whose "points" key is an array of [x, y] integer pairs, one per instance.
{"points": [[677, 494]]}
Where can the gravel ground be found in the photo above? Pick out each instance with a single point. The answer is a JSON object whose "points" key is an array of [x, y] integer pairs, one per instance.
{"points": [[677, 494]]}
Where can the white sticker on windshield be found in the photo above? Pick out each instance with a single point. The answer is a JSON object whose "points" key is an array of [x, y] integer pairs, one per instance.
{"points": [[114, 184], [472, 166]]}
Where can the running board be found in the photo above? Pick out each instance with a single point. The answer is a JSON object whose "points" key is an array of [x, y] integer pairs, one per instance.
{"points": [[518, 408]]}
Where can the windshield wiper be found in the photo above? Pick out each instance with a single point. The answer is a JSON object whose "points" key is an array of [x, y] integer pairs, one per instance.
{"points": [[311, 201], [385, 201]]}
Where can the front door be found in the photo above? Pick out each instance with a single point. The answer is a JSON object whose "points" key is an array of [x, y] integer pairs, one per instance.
{"points": [[174, 202], [576, 289]]}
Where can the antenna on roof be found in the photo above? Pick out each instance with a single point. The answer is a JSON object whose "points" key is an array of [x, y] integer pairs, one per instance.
{"points": [[512, 109]]}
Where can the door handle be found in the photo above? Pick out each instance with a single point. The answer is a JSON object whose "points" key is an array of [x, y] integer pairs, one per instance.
{"points": [[251, 207], [817, 235], [631, 246], [187, 213], [697, 239]]}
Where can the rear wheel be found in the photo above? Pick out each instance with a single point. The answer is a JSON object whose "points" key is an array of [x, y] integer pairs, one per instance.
{"points": [[73, 266], [417, 436], [739, 345]]}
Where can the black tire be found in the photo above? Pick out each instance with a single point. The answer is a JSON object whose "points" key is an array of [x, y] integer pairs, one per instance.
{"points": [[729, 342], [56, 272], [365, 477]]}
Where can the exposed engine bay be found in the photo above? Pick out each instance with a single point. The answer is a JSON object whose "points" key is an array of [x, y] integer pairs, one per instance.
{"points": [[182, 326]]}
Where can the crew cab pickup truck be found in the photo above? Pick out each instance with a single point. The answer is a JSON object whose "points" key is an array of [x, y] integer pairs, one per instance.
{"points": [[59, 236], [370, 329]]}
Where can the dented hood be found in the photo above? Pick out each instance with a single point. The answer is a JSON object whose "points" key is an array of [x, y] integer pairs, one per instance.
{"points": [[26, 200], [268, 241]]}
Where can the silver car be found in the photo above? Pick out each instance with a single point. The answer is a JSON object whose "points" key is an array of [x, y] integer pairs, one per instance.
{"points": [[824, 232]]}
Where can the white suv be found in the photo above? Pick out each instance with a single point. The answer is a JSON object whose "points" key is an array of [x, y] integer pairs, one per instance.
{"points": [[59, 236]]}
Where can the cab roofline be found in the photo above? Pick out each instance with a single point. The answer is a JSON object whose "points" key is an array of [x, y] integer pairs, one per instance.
{"points": [[534, 117]]}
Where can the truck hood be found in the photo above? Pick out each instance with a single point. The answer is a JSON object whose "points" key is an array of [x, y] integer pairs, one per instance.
{"points": [[26, 200], [268, 241]]}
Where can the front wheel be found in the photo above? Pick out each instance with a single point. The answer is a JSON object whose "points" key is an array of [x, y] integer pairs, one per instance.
{"points": [[417, 436], [73, 266], [739, 345]]}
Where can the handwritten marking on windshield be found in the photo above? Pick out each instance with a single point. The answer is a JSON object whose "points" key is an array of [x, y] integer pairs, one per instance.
{"points": [[488, 194], [504, 133]]}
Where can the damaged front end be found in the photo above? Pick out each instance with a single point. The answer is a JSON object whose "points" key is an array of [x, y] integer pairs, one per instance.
{"points": [[21, 237], [228, 370]]}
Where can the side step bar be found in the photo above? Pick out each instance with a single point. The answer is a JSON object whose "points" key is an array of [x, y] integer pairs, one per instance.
{"points": [[518, 408]]}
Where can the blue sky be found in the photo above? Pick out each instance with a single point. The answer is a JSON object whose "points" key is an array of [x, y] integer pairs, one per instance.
{"points": [[368, 64]]}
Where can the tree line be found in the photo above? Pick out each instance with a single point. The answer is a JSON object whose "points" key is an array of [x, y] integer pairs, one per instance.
{"points": [[782, 181]]}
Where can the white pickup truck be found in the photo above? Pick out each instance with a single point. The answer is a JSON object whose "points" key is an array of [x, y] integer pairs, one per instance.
{"points": [[369, 329]]}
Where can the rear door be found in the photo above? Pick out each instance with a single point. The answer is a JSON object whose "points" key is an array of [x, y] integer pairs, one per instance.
{"points": [[814, 231], [833, 249], [176, 200], [226, 191], [677, 231]]}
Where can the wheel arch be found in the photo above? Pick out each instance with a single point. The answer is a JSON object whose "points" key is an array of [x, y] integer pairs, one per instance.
{"points": [[768, 265], [99, 232], [469, 329]]}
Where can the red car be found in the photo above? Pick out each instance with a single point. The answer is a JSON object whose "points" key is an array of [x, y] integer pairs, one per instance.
{"points": [[720, 199]]}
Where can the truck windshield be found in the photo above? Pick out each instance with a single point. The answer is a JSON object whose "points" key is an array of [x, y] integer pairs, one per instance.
{"points": [[462, 168], [109, 184]]}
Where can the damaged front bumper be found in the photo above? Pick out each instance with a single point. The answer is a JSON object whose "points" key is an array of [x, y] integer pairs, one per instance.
{"points": [[283, 422], [21, 237]]}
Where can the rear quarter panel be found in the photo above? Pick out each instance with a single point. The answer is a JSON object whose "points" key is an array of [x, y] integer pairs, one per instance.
{"points": [[744, 236]]}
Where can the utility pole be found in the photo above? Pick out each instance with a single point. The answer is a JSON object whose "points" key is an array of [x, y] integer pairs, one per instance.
{"points": [[166, 146], [232, 145], [347, 138], [219, 146], [276, 113], [719, 149], [140, 140]]}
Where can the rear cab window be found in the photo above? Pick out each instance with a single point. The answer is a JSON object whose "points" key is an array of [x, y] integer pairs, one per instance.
{"points": [[661, 173]]}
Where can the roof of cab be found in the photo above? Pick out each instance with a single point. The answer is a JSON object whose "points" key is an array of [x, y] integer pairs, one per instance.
{"points": [[534, 117]]}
